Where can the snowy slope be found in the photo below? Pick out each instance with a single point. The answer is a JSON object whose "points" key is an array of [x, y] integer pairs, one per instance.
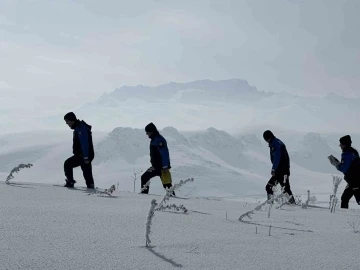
{"points": [[310, 153], [54, 228]]}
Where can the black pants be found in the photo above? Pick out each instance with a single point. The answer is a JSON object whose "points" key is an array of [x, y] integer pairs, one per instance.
{"points": [[150, 173], [74, 162], [347, 195], [277, 179]]}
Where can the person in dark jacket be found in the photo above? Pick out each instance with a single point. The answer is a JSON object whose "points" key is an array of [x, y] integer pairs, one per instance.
{"points": [[159, 159], [83, 151], [350, 167], [280, 171]]}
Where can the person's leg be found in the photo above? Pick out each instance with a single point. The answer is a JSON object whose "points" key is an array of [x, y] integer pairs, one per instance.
{"points": [[356, 192], [346, 196], [269, 186], [87, 173], [166, 180], [286, 184], [69, 165], [150, 173]]}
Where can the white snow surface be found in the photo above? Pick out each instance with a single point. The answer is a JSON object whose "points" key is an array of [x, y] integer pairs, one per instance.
{"points": [[48, 227]]}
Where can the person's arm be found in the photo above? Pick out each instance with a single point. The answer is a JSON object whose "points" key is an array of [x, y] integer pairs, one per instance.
{"points": [[277, 155], [84, 141], [164, 153], [346, 160]]}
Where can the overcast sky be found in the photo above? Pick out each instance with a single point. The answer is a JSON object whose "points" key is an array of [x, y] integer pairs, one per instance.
{"points": [[72, 51]]}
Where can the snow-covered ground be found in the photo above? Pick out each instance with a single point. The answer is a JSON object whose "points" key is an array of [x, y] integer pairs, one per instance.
{"points": [[48, 227]]}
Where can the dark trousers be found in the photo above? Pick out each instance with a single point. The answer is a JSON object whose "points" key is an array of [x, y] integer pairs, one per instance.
{"points": [[74, 162], [347, 195], [277, 179], [150, 173]]}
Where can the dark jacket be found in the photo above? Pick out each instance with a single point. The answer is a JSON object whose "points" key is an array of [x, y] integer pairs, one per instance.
{"points": [[82, 140], [350, 166], [159, 152], [279, 157]]}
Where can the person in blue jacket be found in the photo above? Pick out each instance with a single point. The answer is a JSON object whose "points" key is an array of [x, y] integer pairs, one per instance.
{"points": [[280, 170], [159, 159], [350, 167], [83, 151]]}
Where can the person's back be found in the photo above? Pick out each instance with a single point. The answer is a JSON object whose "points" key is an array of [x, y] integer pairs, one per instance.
{"points": [[279, 156], [83, 145], [350, 165], [159, 152]]}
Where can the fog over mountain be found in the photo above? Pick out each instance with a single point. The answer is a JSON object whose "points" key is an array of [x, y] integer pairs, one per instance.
{"points": [[232, 105]]}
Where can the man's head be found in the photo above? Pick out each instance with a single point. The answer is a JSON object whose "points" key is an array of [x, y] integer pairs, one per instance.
{"points": [[150, 129], [70, 119], [268, 135], [345, 141]]}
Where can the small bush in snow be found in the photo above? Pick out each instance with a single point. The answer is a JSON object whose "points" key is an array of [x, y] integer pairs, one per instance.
{"points": [[313, 200], [109, 191], [16, 170], [355, 226], [297, 200], [170, 190], [145, 186], [172, 207], [258, 208], [149, 221], [154, 206], [135, 177], [306, 204], [333, 198]]}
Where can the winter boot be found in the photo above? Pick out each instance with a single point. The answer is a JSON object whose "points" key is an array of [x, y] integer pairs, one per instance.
{"points": [[69, 183], [91, 186], [292, 200], [168, 186]]}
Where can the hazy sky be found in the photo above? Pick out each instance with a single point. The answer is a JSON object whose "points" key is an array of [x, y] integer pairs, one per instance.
{"points": [[72, 51]]}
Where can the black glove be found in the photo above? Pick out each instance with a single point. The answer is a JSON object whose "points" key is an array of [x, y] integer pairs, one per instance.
{"points": [[334, 161]]}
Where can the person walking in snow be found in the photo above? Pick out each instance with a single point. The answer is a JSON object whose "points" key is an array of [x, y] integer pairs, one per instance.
{"points": [[350, 167], [83, 151], [280, 171], [159, 158]]}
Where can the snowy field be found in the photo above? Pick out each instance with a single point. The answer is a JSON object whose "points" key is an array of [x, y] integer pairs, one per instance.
{"points": [[48, 227]]}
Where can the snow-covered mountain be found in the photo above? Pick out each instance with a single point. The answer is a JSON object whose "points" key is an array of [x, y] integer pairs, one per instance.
{"points": [[232, 105], [195, 92], [311, 153], [224, 165]]}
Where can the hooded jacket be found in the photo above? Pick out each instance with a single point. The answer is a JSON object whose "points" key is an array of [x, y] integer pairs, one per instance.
{"points": [[279, 157], [82, 140], [350, 166], [159, 152]]}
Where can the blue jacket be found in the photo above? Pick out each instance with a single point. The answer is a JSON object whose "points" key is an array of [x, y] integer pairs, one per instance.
{"points": [[82, 141], [350, 166], [279, 157], [159, 152]]}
